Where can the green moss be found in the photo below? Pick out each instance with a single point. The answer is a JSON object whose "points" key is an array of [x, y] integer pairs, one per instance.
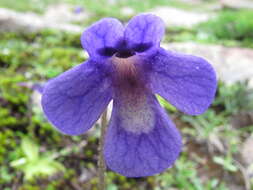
{"points": [[228, 28], [231, 25], [29, 187], [7, 142], [184, 176]]}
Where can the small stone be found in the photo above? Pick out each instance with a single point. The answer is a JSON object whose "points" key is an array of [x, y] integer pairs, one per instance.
{"points": [[178, 17], [237, 4], [85, 175], [12, 21], [247, 151], [65, 13], [127, 11]]}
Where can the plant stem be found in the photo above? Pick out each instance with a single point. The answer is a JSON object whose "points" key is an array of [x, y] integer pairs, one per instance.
{"points": [[101, 163]]}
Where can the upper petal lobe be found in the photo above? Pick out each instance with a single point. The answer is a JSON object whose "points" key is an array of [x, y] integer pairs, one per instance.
{"points": [[188, 82], [141, 140], [103, 34], [74, 100], [144, 29]]}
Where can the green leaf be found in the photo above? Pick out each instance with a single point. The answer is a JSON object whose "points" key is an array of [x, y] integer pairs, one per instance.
{"points": [[166, 104], [19, 162], [112, 187], [227, 163], [30, 149], [44, 167]]}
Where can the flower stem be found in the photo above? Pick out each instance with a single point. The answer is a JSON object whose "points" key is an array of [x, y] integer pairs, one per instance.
{"points": [[101, 162]]}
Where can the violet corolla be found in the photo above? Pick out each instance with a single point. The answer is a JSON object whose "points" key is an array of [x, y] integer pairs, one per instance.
{"points": [[127, 65]]}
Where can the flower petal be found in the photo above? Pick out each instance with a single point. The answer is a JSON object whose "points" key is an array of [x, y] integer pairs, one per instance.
{"points": [[141, 140], [74, 100], [144, 29], [102, 37], [187, 82]]}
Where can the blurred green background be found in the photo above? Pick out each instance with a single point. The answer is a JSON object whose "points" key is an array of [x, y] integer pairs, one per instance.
{"points": [[39, 39]]}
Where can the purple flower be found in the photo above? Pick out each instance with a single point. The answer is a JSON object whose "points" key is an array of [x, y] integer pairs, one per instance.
{"points": [[78, 9], [127, 65]]}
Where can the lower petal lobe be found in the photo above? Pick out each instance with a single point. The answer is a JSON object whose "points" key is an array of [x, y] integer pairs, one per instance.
{"points": [[74, 100], [141, 140], [188, 82]]}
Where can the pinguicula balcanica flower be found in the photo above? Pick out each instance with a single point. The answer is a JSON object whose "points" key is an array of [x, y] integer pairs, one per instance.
{"points": [[127, 65]]}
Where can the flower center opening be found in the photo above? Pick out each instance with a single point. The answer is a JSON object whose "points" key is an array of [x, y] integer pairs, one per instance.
{"points": [[123, 51], [125, 54]]}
